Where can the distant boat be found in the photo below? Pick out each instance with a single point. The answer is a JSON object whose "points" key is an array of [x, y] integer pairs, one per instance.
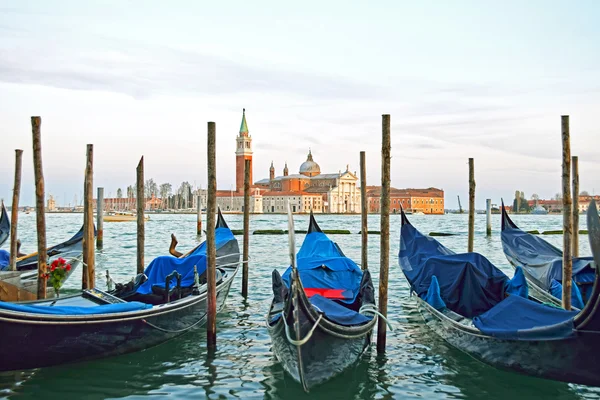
{"points": [[418, 213], [122, 216], [539, 210]]}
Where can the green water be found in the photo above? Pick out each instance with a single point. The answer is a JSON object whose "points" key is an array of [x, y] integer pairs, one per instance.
{"points": [[417, 364]]}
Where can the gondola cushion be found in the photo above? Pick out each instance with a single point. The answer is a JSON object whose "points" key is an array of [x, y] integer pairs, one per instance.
{"points": [[72, 310], [518, 318], [337, 313]]}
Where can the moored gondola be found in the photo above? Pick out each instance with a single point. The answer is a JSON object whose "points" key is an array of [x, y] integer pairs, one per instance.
{"points": [[477, 309], [167, 301], [4, 225], [322, 314], [542, 265]]}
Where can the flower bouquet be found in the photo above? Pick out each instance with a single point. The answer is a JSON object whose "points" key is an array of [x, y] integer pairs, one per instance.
{"points": [[59, 270]]}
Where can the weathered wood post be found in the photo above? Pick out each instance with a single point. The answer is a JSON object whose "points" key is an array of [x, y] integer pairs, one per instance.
{"points": [[211, 251], [88, 276], [198, 216], [100, 218], [246, 227], [385, 231], [567, 214], [364, 212], [14, 212], [488, 217], [40, 212], [471, 204], [575, 241], [140, 215]]}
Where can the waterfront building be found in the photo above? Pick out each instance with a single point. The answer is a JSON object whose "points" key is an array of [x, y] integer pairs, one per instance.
{"points": [[427, 201], [51, 203]]}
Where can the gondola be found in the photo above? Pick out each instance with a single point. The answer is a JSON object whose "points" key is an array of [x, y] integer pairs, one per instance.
{"points": [[71, 250], [4, 226], [542, 265], [322, 314], [166, 301], [477, 309]]}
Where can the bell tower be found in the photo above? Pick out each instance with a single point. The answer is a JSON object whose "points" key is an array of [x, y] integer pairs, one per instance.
{"points": [[243, 152]]}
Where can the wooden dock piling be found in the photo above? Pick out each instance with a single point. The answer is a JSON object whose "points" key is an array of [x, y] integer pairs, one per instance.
{"points": [[364, 213], [100, 219], [246, 228], [471, 204], [385, 231], [14, 212], [198, 216], [488, 217], [141, 197], [88, 276], [40, 212], [567, 214], [211, 252], [575, 240]]}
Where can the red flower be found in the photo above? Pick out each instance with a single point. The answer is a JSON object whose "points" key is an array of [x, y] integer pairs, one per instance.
{"points": [[55, 263], [68, 267], [62, 260], [53, 267]]}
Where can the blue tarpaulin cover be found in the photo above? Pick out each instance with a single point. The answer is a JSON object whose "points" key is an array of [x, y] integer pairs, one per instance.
{"points": [[469, 283], [523, 319], [72, 310], [321, 264], [541, 260], [162, 266], [576, 299], [4, 259], [338, 313]]}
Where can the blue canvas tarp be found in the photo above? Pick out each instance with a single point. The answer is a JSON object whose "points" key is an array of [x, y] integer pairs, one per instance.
{"points": [[338, 313], [522, 319], [469, 284], [321, 264], [162, 266], [72, 310], [4, 259], [541, 260]]}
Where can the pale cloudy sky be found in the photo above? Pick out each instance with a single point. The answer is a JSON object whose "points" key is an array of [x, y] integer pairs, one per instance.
{"points": [[460, 79]]}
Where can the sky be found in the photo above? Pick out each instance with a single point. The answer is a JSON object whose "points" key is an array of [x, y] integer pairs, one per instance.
{"points": [[482, 79]]}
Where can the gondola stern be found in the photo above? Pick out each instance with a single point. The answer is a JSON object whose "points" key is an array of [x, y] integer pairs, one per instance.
{"points": [[506, 221], [220, 220], [404, 219], [589, 317], [312, 224]]}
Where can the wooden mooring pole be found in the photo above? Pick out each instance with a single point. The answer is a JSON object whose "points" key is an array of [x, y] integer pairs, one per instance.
{"points": [[140, 215], [40, 214], [100, 219], [575, 241], [198, 216], [385, 231], [471, 204], [88, 276], [488, 217], [567, 214], [364, 212], [211, 210], [14, 212], [246, 227]]}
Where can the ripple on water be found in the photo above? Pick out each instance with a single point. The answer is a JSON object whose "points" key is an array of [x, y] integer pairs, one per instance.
{"points": [[417, 364]]}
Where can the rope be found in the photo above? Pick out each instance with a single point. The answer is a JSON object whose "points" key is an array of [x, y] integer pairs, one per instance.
{"points": [[308, 335], [369, 308], [173, 331]]}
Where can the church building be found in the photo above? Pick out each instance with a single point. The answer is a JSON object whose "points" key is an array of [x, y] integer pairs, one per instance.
{"points": [[308, 190]]}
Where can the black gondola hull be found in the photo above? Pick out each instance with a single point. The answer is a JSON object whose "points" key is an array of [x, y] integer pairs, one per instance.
{"points": [[30, 342], [570, 360], [322, 357]]}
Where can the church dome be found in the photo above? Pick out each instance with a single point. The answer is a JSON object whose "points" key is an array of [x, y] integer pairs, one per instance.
{"points": [[309, 167]]}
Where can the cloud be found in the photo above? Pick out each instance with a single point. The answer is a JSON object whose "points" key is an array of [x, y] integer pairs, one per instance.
{"points": [[141, 72]]}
